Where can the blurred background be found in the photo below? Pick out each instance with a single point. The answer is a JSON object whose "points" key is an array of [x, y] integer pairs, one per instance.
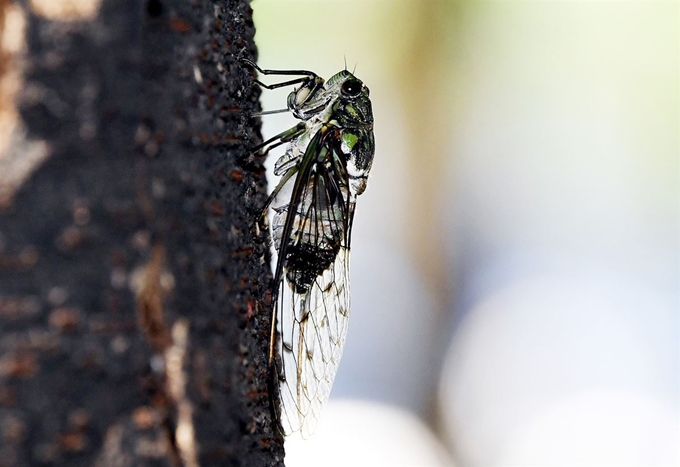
{"points": [[516, 257]]}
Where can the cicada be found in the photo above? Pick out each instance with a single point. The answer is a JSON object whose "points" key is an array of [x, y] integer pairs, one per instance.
{"points": [[324, 168]]}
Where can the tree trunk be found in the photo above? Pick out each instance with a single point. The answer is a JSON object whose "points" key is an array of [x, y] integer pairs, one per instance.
{"points": [[133, 323]]}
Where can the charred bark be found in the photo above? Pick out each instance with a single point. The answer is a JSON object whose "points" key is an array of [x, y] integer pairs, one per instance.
{"points": [[133, 328]]}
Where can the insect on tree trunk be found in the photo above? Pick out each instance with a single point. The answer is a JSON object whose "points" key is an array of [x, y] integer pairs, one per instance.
{"points": [[133, 328]]}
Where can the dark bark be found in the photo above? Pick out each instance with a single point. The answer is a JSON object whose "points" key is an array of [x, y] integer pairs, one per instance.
{"points": [[136, 229]]}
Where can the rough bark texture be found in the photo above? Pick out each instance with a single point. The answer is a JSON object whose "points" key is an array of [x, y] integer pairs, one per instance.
{"points": [[133, 326]]}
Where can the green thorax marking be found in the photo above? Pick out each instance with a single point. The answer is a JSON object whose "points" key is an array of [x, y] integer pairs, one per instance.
{"points": [[350, 139]]}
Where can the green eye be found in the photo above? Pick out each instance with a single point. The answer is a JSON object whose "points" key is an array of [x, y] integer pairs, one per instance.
{"points": [[351, 87]]}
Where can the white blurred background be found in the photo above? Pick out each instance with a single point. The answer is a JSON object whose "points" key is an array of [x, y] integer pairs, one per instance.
{"points": [[516, 257]]}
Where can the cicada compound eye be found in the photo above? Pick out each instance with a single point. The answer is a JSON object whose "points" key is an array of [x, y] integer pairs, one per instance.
{"points": [[351, 88]]}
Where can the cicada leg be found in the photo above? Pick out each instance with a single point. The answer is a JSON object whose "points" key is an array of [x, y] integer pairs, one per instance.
{"points": [[310, 84], [307, 75], [277, 140]]}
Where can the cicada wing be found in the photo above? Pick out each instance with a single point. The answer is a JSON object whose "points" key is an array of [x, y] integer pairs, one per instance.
{"points": [[313, 330], [313, 298]]}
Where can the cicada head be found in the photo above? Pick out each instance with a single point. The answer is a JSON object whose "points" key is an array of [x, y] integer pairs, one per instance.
{"points": [[352, 106]]}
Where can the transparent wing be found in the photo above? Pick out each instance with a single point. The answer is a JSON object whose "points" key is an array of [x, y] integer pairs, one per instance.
{"points": [[313, 329], [313, 292]]}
